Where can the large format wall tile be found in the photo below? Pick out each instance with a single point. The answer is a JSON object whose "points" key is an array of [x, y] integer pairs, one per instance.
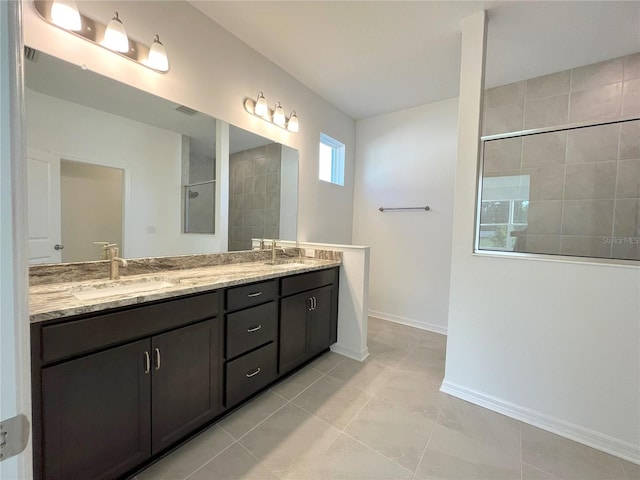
{"points": [[546, 112], [591, 218], [597, 74], [545, 218], [630, 140], [544, 149], [503, 154], [627, 218], [586, 246], [548, 85], [593, 144], [628, 182], [632, 66], [590, 181], [545, 183], [549, 244], [599, 103], [631, 97]]}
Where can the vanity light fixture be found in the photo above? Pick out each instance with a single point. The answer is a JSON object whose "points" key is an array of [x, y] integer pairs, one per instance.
{"points": [[65, 14], [260, 109], [113, 36]]}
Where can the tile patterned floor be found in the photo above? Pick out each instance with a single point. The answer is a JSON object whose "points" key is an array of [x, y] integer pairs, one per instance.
{"points": [[380, 419]]}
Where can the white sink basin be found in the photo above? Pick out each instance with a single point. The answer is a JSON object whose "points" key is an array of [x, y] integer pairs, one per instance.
{"points": [[122, 287]]}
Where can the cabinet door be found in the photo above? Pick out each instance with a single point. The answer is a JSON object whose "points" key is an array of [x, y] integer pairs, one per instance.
{"points": [[185, 383], [96, 415], [293, 331], [320, 320]]}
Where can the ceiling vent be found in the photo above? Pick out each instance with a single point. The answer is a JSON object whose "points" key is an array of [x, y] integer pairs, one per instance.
{"points": [[31, 54], [186, 110]]}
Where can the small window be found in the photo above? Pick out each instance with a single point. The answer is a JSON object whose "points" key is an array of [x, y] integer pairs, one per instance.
{"points": [[331, 160]]}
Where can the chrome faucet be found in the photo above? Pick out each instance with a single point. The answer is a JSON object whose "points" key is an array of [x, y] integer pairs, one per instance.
{"points": [[114, 261]]}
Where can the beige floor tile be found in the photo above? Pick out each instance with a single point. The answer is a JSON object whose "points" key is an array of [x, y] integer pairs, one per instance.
{"points": [[398, 338], [398, 433], [235, 463], [290, 441], [452, 455], [349, 459], [188, 458], [297, 383], [375, 326], [254, 412], [434, 340], [532, 473], [567, 459], [333, 401], [414, 391], [386, 354], [481, 424], [367, 376], [632, 470], [429, 361], [327, 362]]}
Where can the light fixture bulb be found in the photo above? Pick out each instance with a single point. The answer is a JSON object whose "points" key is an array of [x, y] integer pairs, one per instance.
{"points": [[115, 36], [261, 109], [158, 56], [65, 14], [278, 115], [292, 124]]}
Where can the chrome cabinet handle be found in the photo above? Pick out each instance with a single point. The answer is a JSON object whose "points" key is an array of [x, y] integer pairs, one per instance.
{"points": [[58, 246], [157, 359], [254, 329], [315, 302], [253, 374], [310, 303], [257, 294], [147, 362]]}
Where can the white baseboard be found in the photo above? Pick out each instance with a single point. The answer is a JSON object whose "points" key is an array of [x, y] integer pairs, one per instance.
{"points": [[431, 327], [597, 440], [347, 352]]}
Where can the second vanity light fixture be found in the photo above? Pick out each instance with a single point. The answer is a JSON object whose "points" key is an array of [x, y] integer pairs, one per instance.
{"points": [[260, 109], [66, 15]]}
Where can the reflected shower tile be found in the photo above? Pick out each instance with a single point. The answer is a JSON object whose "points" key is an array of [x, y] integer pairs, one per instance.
{"points": [[544, 218], [628, 182], [597, 74], [510, 94], [590, 181], [630, 140], [503, 154], [272, 183], [631, 97], [545, 183], [549, 244], [546, 112], [596, 104], [261, 184], [632, 68], [593, 144], [591, 218], [544, 149], [548, 85], [627, 218], [599, 247], [627, 249]]}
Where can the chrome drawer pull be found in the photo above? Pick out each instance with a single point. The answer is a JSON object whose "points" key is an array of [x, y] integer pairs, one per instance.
{"points": [[157, 359], [257, 294], [254, 329], [147, 362], [253, 374]]}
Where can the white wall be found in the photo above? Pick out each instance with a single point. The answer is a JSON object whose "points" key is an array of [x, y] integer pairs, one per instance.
{"points": [[212, 71], [552, 342], [407, 159], [150, 156]]}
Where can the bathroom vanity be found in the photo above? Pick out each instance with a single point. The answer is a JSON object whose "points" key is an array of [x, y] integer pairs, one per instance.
{"points": [[120, 378]]}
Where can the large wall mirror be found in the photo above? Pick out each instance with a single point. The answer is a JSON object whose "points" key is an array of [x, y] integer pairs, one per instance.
{"points": [[110, 163]]}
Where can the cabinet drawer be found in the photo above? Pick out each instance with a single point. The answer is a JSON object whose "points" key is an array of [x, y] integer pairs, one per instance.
{"points": [[250, 328], [250, 295], [249, 373], [308, 281]]}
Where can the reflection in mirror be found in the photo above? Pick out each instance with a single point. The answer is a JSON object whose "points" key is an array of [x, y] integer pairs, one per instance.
{"points": [[166, 156]]}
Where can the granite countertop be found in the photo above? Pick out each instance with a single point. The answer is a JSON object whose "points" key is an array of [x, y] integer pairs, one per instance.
{"points": [[59, 300]]}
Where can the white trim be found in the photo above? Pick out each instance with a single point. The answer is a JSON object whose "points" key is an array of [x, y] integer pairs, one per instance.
{"points": [[347, 352], [431, 327], [597, 440]]}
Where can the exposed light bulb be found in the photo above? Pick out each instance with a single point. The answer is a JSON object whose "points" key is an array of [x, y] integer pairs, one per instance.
{"points": [[65, 14], [292, 124], [115, 36], [158, 56], [278, 115], [261, 109]]}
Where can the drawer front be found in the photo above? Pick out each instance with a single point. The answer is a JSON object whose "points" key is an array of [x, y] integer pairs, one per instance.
{"points": [[250, 328], [102, 330], [249, 373], [250, 295], [308, 281]]}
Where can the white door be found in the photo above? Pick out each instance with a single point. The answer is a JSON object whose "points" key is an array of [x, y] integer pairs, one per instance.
{"points": [[43, 178]]}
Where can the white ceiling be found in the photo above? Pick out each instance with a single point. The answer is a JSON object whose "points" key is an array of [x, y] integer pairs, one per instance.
{"points": [[374, 57]]}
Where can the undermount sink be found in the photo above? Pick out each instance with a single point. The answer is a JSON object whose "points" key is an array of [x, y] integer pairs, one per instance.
{"points": [[113, 288], [287, 262]]}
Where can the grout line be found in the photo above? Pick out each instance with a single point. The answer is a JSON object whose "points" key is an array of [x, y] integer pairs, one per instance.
{"points": [[212, 458]]}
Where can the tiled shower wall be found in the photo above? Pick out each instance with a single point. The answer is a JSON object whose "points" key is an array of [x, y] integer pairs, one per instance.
{"points": [[584, 184], [254, 195]]}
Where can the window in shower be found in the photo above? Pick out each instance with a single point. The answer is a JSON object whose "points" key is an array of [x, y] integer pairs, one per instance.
{"points": [[571, 190]]}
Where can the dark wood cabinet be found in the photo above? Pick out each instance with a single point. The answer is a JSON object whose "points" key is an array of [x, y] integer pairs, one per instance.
{"points": [[293, 331]]}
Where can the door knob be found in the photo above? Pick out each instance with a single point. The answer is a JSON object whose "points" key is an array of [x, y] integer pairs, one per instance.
{"points": [[58, 246]]}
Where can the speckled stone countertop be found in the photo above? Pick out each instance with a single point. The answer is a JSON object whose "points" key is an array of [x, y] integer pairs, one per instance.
{"points": [[48, 301]]}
